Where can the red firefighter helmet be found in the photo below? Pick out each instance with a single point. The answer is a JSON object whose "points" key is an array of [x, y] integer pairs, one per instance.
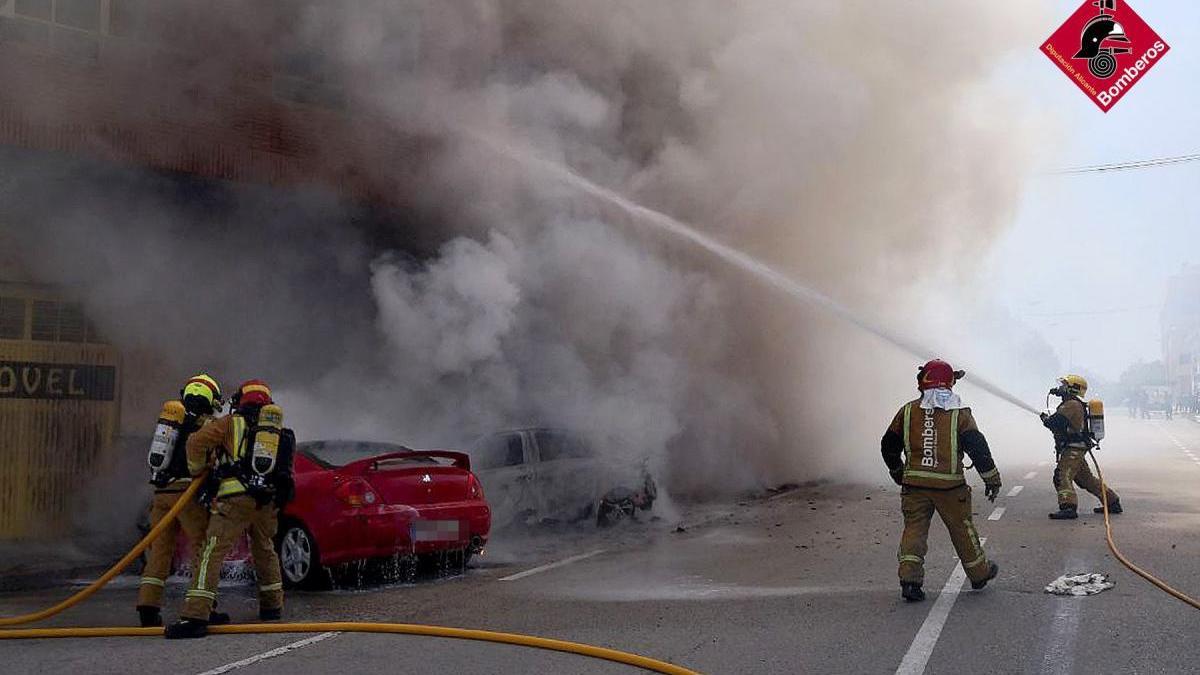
{"points": [[252, 393], [937, 374]]}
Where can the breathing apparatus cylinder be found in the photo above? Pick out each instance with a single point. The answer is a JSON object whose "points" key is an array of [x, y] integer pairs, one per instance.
{"points": [[266, 439], [166, 437], [1095, 413]]}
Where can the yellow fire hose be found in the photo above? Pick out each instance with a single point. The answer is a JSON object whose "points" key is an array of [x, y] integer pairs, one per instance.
{"points": [[592, 651], [1162, 585], [96, 585]]}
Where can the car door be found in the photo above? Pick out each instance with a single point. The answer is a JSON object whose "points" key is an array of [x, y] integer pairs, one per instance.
{"points": [[503, 462], [566, 477]]}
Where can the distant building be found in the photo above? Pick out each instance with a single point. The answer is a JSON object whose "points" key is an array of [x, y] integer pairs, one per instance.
{"points": [[1181, 332]]}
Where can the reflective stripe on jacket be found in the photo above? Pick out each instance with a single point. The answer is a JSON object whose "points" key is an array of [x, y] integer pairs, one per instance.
{"points": [[218, 444], [235, 438], [932, 457]]}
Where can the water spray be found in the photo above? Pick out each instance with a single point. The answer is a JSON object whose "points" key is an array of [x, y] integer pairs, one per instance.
{"points": [[739, 259]]}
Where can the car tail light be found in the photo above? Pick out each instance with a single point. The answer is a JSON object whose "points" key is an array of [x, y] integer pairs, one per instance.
{"points": [[474, 489], [356, 492]]}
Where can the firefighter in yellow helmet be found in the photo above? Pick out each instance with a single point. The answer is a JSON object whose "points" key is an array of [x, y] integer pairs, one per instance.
{"points": [[246, 500], [199, 399], [1072, 441], [922, 451]]}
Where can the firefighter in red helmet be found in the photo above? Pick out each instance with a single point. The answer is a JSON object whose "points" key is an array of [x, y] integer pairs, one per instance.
{"points": [[242, 450], [922, 451]]}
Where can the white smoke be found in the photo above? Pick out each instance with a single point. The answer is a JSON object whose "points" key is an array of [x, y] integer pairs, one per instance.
{"points": [[856, 145]]}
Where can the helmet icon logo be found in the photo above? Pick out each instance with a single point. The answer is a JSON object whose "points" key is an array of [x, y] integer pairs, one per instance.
{"points": [[1102, 39]]}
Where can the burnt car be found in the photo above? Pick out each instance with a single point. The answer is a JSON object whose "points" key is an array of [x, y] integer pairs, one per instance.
{"points": [[546, 475]]}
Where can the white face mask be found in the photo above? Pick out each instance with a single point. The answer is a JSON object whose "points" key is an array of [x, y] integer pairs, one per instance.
{"points": [[940, 398]]}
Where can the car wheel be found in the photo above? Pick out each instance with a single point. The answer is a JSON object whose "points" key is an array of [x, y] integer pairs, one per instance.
{"points": [[299, 558]]}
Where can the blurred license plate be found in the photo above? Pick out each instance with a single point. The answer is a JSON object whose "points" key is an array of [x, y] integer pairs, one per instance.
{"points": [[436, 530]]}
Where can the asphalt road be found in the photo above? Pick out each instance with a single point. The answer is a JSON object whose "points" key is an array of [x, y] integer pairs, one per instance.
{"points": [[801, 582]]}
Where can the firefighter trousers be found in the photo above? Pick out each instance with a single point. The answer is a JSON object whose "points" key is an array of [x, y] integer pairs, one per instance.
{"points": [[1072, 470], [193, 520], [231, 517], [954, 506]]}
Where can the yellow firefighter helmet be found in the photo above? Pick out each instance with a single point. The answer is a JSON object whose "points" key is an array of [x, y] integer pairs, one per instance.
{"points": [[1075, 385], [204, 388]]}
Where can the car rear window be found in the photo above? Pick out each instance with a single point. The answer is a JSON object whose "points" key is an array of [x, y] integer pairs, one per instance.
{"points": [[331, 454]]}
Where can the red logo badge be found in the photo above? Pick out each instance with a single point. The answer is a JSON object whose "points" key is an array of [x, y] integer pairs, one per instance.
{"points": [[1105, 49]]}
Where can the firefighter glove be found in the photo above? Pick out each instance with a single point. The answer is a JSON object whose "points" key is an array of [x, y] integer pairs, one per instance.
{"points": [[991, 491], [897, 476]]}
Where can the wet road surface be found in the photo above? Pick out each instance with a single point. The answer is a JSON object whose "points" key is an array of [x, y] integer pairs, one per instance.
{"points": [[799, 582]]}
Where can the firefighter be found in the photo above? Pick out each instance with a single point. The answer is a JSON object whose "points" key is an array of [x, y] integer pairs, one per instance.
{"points": [[922, 451], [244, 501], [199, 399], [1072, 441]]}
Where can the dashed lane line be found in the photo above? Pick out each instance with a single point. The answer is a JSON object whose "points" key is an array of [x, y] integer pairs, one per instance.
{"points": [[997, 513], [279, 651], [1016, 491], [1031, 475], [550, 566], [917, 656]]}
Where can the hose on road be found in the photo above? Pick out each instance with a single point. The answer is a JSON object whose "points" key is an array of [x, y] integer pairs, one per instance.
{"points": [[592, 651], [1112, 545], [606, 654], [113, 571]]}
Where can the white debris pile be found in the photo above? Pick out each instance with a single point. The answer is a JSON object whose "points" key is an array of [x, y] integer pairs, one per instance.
{"points": [[1080, 583]]}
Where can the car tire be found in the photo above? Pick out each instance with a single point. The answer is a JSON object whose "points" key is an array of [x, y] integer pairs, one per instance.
{"points": [[299, 557]]}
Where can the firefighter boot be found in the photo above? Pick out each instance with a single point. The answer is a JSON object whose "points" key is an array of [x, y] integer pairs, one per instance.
{"points": [[149, 616], [1065, 512], [1113, 507], [911, 592], [993, 570], [271, 614], [185, 629]]}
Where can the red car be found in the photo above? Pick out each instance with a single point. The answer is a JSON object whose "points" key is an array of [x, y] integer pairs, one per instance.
{"points": [[362, 500]]}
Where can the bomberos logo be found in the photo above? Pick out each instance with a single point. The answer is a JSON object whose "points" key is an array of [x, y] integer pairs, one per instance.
{"points": [[1105, 48]]}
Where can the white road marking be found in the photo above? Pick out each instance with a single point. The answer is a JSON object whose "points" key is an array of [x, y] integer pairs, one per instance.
{"points": [[1016, 491], [1043, 463], [271, 654], [1031, 475], [550, 566], [997, 513], [917, 656]]}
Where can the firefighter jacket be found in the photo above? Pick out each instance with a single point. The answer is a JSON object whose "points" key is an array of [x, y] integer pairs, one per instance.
{"points": [[1069, 425], [927, 445], [221, 445]]}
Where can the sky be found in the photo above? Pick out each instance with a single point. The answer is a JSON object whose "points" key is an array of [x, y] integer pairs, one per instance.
{"points": [[1104, 241]]}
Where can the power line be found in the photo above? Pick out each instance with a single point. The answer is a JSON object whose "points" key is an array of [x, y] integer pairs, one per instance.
{"points": [[1129, 166], [1098, 312]]}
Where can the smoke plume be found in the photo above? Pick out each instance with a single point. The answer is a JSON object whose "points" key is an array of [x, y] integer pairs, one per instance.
{"points": [[861, 146]]}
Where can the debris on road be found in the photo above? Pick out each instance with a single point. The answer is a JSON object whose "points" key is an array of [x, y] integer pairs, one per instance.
{"points": [[1080, 583]]}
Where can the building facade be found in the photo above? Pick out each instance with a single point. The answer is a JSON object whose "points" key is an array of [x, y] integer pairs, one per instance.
{"points": [[225, 93]]}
